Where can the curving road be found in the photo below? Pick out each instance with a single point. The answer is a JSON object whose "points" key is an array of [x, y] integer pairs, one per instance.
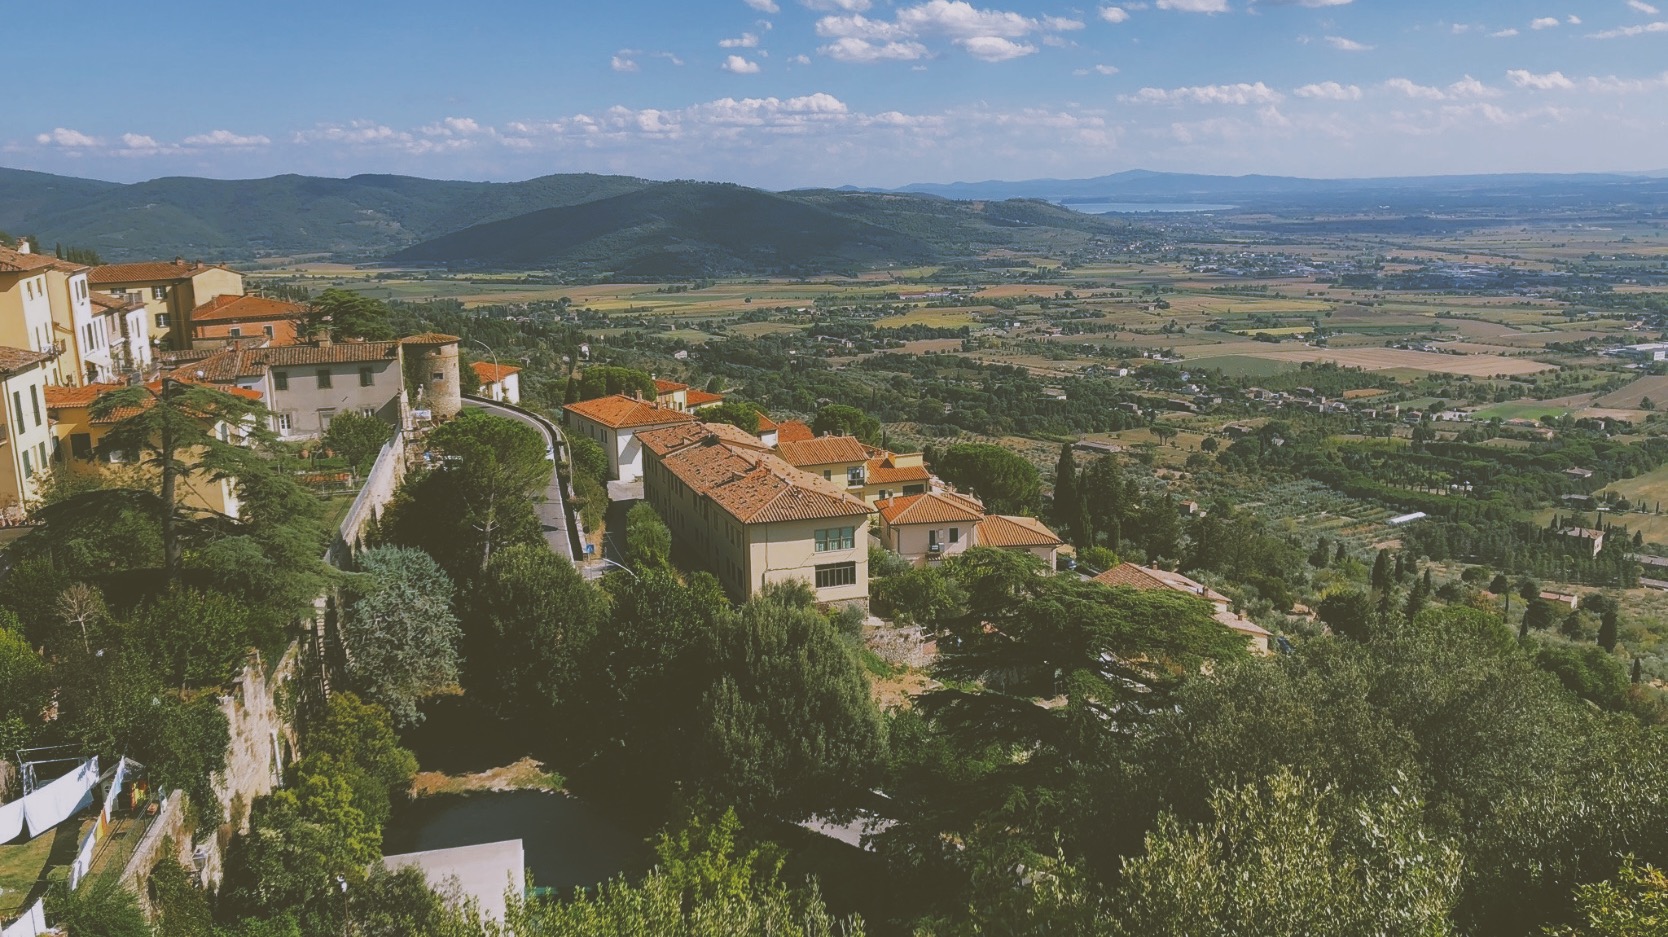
{"points": [[552, 510]]}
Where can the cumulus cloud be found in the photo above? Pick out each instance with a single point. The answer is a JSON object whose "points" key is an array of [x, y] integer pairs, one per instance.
{"points": [[858, 26], [1467, 87], [1506, 33], [621, 63], [1347, 45], [1329, 91], [65, 137], [850, 6], [996, 48], [1114, 14], [1551, 81], [1611, 84], [1545, 22], [1194, 6], [1627, 32], [743, 41], [228, 138], [960, 19], [863, 52], [763, 6], [1236, 94], [1642, 7], [735, 64]]}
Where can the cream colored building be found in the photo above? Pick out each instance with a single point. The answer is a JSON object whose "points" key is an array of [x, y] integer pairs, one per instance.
{"points": [[25, 301], [615, 422], [928, 528], [26, 437], [501, 383], [870, 473], [170, 291], [753, 519]]}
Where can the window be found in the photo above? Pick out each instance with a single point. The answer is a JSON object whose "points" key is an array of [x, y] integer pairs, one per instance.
{"points": [[162, 320], [325, 416], [280, 380], [367, 377], [159, 292], [81, 445], [35, 401], [324, 378], [284, 422], [28, 466], [237, 331], [438, 376], [267, 329], [369, 412], [836, 574], [854, 476], [828, 474], [836, 538], [41, 452], [17, 407], [955, 535]]}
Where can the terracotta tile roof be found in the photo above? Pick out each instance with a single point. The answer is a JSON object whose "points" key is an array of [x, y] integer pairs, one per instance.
{"points": [[793, 431], [766, 424], [665, 440], [700, 398], [111, 303], [17, 262], [220, 367], [1146, 578], [620, 412], [64, 398], [431, 338], [823, 450], [938, 507], [110, 274], [490, 373], [287, 356], [1002, 530], [155, 387], [668, 387], [881, 471], [17, 359], [246, 309], [756, 487]]}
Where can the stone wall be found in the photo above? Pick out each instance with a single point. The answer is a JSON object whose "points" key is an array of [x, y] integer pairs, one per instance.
{"points": [[380, 483]]}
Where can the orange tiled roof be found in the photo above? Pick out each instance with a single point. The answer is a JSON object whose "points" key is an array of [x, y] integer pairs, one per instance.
{"points": [[1002, 530], [490, 373], [823, 450], [155, 387], [246, 309], [111, 303], [793, 431], [431, 338], [938, 507], [1140, 577], [620, 412], [220, 367], [110, 274], [665, 440], [756, 487], [700, 398], [61, 398], [16, 359], [18, 262], [766, 424], [668, 387], [881, 471], [286, 356]]}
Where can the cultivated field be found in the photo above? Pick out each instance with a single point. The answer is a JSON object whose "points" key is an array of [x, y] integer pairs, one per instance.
{"points": [[1381, 359]]}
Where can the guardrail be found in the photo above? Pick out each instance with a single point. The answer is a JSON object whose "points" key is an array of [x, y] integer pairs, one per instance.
{"points": [[380, 483], [564, 456]]}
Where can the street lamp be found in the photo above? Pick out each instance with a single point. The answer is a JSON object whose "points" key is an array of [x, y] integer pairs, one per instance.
{"points": [[620, 566], [494, 354]]}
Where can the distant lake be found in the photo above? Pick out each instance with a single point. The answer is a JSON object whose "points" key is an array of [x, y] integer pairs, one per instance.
{"points": [[1140, 208]]}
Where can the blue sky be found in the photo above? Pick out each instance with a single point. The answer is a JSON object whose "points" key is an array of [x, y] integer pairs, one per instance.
{"points": [[784, 93]]}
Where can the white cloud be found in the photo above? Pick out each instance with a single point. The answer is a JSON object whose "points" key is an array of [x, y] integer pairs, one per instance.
{"points": [[1551, 81], [1628, 32], [1642, 7], [620, 63], [1114, 14], [744, 41], [228, 138], [763, 6], [1610, 84], [668, 56], [1347, 45], [63, 136], [1329, 91], [1466, 87], [1414, 90], [1235, 94], [1194, 6], [1312, 4], [1545, 22], [1506, 33], [740, 66], [863, 52], [1105, 69], [859, 26], [1460, 29], [850, 6], [800, 60], [961, 20], [1573, 20], [996, 48], [139, 141]]}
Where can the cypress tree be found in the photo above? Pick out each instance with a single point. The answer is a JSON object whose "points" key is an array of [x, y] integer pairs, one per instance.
{"points": [[1340, 555], [1381, 571]]}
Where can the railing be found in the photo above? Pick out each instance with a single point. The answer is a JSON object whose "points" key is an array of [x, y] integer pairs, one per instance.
{"points": [[379, 486]]}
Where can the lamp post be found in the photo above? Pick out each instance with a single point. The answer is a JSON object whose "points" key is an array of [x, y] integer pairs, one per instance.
{"points": [[620, 566], [494, 355]]}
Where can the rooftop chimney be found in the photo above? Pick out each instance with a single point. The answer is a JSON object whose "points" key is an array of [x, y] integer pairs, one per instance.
{"points": [[23, 246]]}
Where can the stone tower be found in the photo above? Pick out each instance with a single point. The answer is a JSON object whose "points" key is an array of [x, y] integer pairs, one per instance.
{"points": [[432, 362]]}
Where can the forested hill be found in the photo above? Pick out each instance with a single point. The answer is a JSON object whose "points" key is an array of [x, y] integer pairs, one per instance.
{"points": [[363, 217], [707, 229]]}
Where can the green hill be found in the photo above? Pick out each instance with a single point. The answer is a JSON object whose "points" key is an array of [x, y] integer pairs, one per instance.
{"points": [[704, 229], [363, 217]]}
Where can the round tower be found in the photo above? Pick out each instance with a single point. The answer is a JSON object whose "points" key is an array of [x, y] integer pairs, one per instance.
{"points": [[437, 356]]}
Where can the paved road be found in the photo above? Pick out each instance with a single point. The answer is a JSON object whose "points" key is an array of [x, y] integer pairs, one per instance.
{"points": [[553, 515]]}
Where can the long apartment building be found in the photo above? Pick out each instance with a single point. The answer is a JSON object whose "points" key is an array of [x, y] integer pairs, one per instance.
{"points": [[169, 290], [753, 519]]}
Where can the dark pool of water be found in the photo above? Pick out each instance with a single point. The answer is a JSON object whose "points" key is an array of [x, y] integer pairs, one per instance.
{"points": [[568, 842]]}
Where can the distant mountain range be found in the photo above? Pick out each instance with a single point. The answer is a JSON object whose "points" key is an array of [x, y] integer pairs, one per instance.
{"points": [[1141, 186], [638, 227]]}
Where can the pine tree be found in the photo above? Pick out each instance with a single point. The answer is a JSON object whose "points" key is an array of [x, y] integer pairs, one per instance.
{"points": [[1068, 501], [1381, 571]]}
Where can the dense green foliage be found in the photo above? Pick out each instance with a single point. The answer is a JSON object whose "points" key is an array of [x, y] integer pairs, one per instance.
{"points": [[401, 634], [1004, 480], [357, 438]]}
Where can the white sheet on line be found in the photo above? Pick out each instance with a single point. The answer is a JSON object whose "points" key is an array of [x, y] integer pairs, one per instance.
{"points": [[11, 820], [32, 923], [51, 805]]}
